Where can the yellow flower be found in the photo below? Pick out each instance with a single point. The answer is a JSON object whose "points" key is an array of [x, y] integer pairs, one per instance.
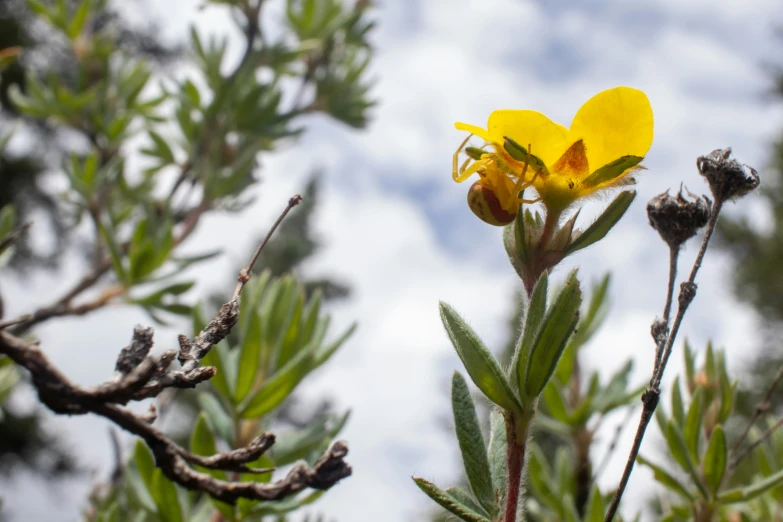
{"points": [[608, 138]]}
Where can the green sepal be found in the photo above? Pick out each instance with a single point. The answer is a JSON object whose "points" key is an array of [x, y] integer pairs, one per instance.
{"points": [[603, 224], [612, 170]]}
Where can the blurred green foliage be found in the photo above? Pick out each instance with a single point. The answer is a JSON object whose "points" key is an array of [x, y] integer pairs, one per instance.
{"points": [[91, 92]]}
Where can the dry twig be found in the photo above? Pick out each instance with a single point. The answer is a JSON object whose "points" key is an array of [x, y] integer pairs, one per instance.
{"points": [[140, 376]]}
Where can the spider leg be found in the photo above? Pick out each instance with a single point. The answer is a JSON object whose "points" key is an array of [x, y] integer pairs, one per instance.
{"points": [[455, 168]]}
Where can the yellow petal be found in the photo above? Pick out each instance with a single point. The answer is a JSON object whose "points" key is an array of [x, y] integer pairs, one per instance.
{"points": [[478, 131], [614, 123], [548, 139]]}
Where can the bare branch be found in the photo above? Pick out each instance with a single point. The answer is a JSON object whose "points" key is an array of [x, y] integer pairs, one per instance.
{"points": [[139, 376], [760, 408]]}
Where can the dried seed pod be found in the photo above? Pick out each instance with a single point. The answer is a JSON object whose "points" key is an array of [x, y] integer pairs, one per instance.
{"points": [[727, 178], [677, 218]]}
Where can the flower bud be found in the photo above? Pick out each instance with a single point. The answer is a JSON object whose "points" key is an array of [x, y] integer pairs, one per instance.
{"points": [[727, 178], [676, 218]]}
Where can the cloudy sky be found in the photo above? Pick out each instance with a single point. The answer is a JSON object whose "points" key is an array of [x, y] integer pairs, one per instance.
{"points": [[397, 228]]}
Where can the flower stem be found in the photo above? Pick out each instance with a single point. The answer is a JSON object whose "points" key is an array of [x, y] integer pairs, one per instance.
{"points": [[515, 460]]}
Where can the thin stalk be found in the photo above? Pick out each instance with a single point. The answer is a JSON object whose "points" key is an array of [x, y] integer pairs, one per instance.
{"points": [[652, 395]]}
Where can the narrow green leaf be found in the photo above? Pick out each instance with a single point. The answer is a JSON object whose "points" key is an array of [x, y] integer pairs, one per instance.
{"points": [[448, 502], [595, 506], [289, 343], [559, 323], [217, 416], [665, 478], [114, 253], [752, 491], [715, 459], [249, 355], [690, 370], [482, 367], [611, 170], [279, 386], [165, 494], [692, 429], [497, 452], [604, 223], [202, 442], [471, 444], [678, 406], [555, 403], [536, 311], [162, 149], [300, 444], [465, 498], [679, 450], [145, 463], [79, 18]]}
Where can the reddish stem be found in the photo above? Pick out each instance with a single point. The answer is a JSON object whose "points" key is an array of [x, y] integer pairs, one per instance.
{"points": [[515, 456]]}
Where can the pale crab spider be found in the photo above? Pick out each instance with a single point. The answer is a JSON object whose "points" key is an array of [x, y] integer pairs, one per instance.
{"points": [[461, 173]]}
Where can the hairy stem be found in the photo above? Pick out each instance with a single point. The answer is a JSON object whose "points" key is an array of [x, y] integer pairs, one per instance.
{"points": [[515, 460]]}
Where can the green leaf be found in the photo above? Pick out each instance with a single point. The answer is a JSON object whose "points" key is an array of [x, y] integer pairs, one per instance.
{"points": [[715, 459], [202, 442], [165, 494], [614, 393], [690, 370], [7, 220], [678, 406], [448, 502], [465, 498], [279, 386], [217, 416], [611, 170], [482, 367], [289, 344], [161, 148], [114, 253], [249, 355], [515, 244], [692, 430], [497, 451], [559, 323], [79, 19], [471, 444], [679, 450], [595, 506], [665, 478], [603, 224], [555, 403], [756, 489], [145, 463], [300, 444], [536, 311]]}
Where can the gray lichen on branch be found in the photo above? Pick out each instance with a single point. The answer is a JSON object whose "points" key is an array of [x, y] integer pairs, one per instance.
{"points": [[140, 376]]}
